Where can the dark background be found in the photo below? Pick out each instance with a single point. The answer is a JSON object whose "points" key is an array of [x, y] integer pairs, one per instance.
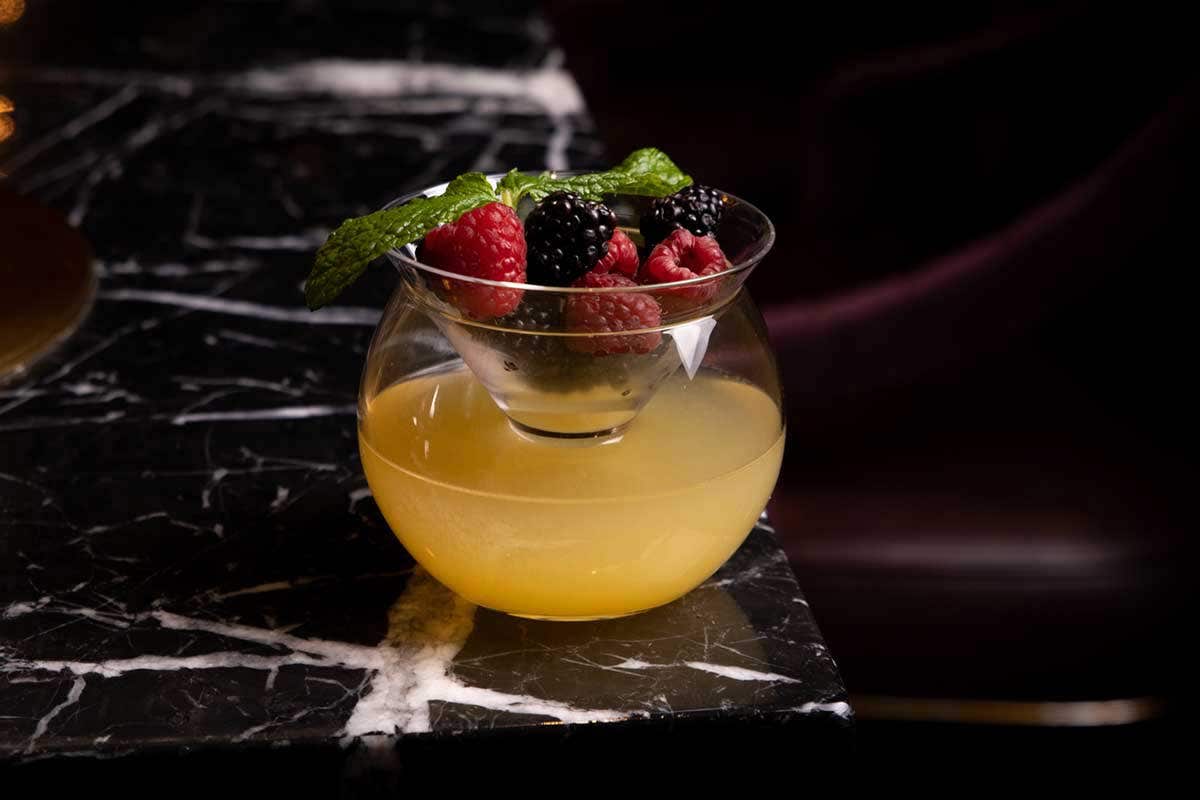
{"points": [[987, 491]]}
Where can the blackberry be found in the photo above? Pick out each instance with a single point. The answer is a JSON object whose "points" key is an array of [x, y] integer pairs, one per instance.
{"points": [[566, 236], [536, 314], [694, 208], [518, 340]]}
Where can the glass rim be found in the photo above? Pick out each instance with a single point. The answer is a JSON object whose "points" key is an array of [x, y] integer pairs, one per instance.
{"points": [[759, 250]]}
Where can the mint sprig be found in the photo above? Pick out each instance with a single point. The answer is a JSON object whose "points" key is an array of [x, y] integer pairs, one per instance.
{"points": [[648, 172], [356, 242], [515, 185]]}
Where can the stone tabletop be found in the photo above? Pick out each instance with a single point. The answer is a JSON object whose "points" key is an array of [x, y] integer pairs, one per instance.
{"points": [[189, 555]]}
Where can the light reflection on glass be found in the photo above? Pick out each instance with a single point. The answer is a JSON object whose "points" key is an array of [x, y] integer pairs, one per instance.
{"points": [[11, 11], [7, 126]]}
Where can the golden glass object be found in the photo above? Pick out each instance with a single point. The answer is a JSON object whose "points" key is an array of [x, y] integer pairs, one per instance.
{"points": [[11, 11], [7, 126], [46, 281]]}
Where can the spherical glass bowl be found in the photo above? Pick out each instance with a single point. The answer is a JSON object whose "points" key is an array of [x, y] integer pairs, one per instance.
{"points": [[557, 472]]}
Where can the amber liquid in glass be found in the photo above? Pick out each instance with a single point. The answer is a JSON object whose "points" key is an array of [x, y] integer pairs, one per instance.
{"points": [[563, 531]]}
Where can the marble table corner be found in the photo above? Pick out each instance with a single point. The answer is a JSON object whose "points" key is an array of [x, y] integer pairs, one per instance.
{"points": [[353, 659]]}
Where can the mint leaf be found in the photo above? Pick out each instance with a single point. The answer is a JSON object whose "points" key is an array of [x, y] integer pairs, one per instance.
{"points": [[516, 185], [645, 172], [470, 183], [356, 242]]}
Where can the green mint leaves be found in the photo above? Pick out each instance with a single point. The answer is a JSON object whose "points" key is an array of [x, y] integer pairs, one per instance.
{"points": [[356, 242], [515, 185], [349, 249], [647, 172]]}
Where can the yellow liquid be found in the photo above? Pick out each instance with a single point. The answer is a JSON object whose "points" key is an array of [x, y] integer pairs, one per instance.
{"points": [[565, 531]]}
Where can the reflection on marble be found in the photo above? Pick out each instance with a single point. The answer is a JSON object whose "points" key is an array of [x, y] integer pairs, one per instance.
{"points": [[189, 555]]}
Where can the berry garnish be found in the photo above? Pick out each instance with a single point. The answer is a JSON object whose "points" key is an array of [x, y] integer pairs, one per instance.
{"points": [[682, 256], [567, 236], [622, 256], [356, 242], [520, 335], [487, 242], [535, 315], [696, 209], [612, 313]]}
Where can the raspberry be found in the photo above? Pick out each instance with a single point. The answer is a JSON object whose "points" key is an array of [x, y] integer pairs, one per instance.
{"points": [[567, 235], [612, 312], [487, 242], [696, 209], [682, 256], [622, 256]]}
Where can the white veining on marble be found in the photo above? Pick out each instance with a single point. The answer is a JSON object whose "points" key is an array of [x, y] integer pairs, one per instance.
{"points": [[554, 89], [427, 627], [34, 423], [406, 672], [303, 113], [134, 521], [113, 668], [357, 496], [97, 113], [95, 388], [72, 698], [281, 497], [85, 76], [296, 583], [260, 462], [270, 586], [129, 266], [218, 475], [258, 341], [249, 415], [330, 315], [20, 400], [20, 609], [112, 165], [301, 242], [193, 382], [724, 670], [33, 181], [556, 145], [739, 673], [94, 350], [758, 571]]}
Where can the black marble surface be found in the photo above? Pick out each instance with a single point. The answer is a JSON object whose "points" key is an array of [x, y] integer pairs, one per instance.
{"points": [[189, 556]]}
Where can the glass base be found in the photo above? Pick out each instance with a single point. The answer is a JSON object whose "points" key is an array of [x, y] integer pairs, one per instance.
{"points": [[583, 439], [575, 619]]}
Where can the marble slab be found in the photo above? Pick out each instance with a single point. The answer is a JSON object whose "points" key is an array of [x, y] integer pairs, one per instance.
{"points": [[190, 560]]}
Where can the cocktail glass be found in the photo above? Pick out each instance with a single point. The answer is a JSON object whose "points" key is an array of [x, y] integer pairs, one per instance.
{"points": [[554, 473]]}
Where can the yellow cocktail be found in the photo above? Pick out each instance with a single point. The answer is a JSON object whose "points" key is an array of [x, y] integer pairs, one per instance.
{"points": [[567, 530]]}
